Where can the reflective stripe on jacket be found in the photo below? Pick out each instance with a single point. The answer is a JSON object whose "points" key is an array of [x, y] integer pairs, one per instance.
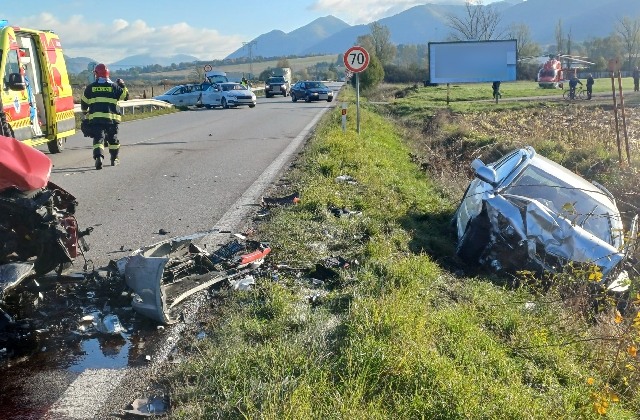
{"points": [[100, 99]]}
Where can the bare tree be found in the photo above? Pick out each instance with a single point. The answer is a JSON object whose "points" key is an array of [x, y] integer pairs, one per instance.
{"points": [[629, 31], [559, 37], [525, 45], [478, 23], [384, 49]]}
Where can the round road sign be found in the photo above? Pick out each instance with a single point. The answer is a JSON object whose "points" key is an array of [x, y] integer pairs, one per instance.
{"points": [[207, 67], [356, 59]]}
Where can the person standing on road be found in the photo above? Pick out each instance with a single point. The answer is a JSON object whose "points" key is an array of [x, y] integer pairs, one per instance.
{"points": [[636, 79], [100, 105], [590, 83]]}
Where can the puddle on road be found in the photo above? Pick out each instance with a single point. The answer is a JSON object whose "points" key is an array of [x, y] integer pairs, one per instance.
{"points": [[63, 325]]}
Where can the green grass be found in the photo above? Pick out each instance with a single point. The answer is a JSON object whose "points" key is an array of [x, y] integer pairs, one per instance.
{"points": [[396, 335]]}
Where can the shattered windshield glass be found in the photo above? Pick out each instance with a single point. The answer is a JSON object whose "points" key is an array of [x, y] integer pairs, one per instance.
{"points": [[575, 204]]}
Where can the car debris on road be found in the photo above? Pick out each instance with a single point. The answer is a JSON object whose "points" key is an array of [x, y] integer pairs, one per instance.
{"points": [[165, 274]]}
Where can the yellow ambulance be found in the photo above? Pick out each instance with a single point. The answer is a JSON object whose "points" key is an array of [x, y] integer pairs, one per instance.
{"points": [[37, 102]]}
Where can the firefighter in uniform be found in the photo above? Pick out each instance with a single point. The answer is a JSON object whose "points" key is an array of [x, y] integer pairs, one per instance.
{"points": [[100, 105]]}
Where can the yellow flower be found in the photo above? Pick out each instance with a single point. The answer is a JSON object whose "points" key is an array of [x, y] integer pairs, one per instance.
{"points": [[618, 318], [633, 351], [590, 381]]}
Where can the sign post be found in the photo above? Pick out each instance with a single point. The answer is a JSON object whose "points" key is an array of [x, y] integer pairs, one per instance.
{"points": [[356, 60]]}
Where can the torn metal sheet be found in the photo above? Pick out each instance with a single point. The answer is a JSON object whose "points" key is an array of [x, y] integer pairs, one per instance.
{"points": [[12, 274], [165, 274], [526, 212]]}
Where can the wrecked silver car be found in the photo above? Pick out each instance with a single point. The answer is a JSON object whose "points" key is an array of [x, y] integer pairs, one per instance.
{"points": [[526, 212]]}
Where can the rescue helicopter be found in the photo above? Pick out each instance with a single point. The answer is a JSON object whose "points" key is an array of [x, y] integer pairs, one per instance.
{"points": [[558, 69]]}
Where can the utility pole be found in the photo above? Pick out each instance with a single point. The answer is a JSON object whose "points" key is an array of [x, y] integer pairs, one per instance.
{"points": [[250, 46]]}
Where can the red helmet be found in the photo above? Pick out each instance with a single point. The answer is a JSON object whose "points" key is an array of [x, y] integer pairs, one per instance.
{"points": [[101, 71]]}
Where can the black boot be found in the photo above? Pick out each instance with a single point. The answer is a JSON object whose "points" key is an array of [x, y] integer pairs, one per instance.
{"points": [[98, 162], [114, 159]]}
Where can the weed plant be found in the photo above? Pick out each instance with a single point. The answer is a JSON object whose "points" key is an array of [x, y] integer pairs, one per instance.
{"points": [[402, 332]]}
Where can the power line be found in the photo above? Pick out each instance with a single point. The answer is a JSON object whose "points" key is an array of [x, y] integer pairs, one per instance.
{"points": [[250, 46]]}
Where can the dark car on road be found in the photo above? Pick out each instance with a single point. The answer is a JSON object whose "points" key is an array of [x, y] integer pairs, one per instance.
{"points": [[276, 85], [311, 91]]}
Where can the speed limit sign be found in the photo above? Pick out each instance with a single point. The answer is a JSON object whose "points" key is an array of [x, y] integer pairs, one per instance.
{"points": [[356, 59]]}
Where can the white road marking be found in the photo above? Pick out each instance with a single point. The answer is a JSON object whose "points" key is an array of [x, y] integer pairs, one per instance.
{"points": [[85, 395]]}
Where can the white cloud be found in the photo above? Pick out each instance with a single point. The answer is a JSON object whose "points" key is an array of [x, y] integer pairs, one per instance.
{"points": [[81, 37]]}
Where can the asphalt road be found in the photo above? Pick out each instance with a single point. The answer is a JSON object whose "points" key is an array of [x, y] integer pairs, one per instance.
{"points": [[184, 173]]}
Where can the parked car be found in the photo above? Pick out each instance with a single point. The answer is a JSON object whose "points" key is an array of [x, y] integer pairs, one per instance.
{"points": [[311, 91], [183, 95], [228, 95], [276, 85], [526, 212]]}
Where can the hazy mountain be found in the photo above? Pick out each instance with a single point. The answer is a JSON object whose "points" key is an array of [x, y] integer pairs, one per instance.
{"points": [[277, 43], [429, 22], [418, 25], [76, 65]]}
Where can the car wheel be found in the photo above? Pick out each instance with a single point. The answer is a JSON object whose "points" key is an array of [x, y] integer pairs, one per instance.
{"points": [[475, 239], [224, 103], [252, 106], [329, 99], [293, 97], [56, 146], [208, 106]]}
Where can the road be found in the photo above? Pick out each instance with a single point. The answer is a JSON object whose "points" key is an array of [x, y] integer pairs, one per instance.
{"points": [[184, 173]]}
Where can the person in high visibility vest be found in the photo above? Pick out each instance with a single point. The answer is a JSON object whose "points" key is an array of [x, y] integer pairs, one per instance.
{"points": [[99, 103]]}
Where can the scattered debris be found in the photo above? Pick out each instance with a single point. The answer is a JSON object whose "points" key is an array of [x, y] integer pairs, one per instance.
{"points": [[162, 232], [147, 407], [346, 179], [109, 324], [287, 200], [344, 212], [165, 274]]}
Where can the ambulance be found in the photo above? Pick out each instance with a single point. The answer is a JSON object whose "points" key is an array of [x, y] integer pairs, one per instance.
{"points": [[37, 101]]}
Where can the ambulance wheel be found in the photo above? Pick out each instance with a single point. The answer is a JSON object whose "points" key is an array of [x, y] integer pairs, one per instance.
{"points": [[5, 128], [56, 146]]}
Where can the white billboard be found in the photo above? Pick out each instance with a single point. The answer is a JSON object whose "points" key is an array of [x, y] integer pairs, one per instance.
{"points": [[472, 61]]}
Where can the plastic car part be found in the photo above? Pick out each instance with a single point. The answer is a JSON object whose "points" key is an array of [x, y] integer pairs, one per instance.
{"points": [[165, 274]]}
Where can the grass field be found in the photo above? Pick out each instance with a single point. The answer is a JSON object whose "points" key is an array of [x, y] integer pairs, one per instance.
{"points": [[406, 331]]}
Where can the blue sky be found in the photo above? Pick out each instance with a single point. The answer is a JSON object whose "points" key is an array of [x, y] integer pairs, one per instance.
{"points": [[110, 30]]}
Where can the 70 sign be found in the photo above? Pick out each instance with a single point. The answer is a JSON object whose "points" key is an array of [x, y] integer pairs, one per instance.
{"points": [[356, 59]]}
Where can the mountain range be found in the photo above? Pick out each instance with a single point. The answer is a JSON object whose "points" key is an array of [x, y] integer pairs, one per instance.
{"points": [[422, 24]]}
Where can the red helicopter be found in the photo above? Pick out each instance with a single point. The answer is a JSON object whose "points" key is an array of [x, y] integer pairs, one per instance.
{"points": [[558, 69]]}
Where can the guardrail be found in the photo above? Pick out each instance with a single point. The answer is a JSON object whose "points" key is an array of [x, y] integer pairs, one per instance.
{"points": [[148, 105], [141, 105]]}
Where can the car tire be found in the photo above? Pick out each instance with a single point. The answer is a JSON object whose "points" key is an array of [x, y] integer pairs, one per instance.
{"points": [[252, 106], [224, 103], [329, 99], [475, 239], [293, 97], [56, 146]]}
